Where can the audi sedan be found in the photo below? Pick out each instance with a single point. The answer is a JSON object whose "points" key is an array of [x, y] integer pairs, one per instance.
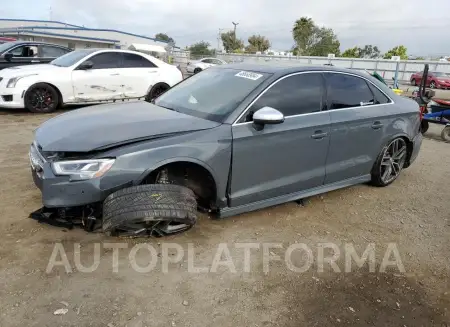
{"points": [[232, 139]]}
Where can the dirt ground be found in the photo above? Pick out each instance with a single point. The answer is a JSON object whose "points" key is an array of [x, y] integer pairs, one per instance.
{"points": [[413, 214]]}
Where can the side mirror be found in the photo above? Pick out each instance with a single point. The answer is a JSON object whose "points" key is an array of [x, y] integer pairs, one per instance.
{"points": [[267, 115], [8, 56], [86, 65]]}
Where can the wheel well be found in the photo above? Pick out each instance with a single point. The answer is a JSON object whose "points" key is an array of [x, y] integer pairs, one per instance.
{"points": [[60, 98], [190, 175]]}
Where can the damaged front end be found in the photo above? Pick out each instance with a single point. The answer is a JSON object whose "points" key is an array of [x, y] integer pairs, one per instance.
{"points": [[87, 217]]}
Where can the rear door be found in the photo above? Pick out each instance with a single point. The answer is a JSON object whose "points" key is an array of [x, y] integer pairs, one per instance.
{"points": [[102, 82], [48, 53], [137, 75], [284, 158], [358, 120]]}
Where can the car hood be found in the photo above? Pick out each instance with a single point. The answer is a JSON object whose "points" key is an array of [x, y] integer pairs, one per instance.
{"points": [[27, 69], [108, 125]]}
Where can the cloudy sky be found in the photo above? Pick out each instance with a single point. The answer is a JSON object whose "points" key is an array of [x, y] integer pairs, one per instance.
{"points": [[422, 26]]}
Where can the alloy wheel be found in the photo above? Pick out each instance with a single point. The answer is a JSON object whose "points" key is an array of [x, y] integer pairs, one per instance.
{"points": [[41, 99], [153, 229], [433, 85], [394, 157]]}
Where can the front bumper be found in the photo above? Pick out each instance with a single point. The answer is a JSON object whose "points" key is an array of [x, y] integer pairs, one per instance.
{"points": [[60, 191], [12, 98]]}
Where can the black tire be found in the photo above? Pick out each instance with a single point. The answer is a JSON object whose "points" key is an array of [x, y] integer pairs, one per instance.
{"points": [[41, 98], [197, 70], [156, 91], [413, 82], [149, 210], [424, 125], [378, 170]]}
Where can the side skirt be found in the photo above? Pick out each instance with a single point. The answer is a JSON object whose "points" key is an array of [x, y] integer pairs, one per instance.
{"points": [[227, 211]]}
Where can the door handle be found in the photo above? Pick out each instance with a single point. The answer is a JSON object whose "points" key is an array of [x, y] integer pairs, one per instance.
{"points": [[115, 74], [377, 125], [35, 61], [318, 135]]}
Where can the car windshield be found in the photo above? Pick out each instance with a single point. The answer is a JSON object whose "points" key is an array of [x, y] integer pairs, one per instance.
{"points": [[212, 94], [71, 58], [439, 74], [5, 46]]}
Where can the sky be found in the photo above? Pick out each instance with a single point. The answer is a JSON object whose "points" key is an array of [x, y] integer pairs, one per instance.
{"points": [[422, 26]]}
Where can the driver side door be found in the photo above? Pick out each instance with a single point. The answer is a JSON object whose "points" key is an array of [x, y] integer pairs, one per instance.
{"points": [[284, 158], [101, 82]]}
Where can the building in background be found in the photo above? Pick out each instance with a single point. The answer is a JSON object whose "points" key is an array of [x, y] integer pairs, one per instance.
{"points": [[72, 36]]}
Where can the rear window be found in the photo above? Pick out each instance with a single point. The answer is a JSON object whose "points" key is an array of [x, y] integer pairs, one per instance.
{"points": [[212, 94]]}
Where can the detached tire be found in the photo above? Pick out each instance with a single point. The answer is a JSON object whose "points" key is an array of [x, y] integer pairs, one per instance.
{"points": [[41, 98], [149, 210]]}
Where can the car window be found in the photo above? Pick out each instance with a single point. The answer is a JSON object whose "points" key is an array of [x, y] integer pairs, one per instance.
{"points": [[293, 95], [380, 97], [24, 51], [131, 60], [52, 52], [346, 91], [213, 94], [217, 62], [106, 60], [207, 61]]}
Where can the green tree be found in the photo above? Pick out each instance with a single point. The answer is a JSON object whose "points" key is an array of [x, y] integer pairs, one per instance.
{"points": [[312, 40], [400, 51], [352, 53], [369, 51], [230, 42], [164, 37], [257, 43], [201, 49]]}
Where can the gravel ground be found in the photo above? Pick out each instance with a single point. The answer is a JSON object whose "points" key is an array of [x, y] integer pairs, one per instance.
{"points": [[413, 213]]}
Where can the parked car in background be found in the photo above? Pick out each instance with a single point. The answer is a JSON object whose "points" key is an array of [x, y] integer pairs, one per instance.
{"points": [[232, 139], [4, 39], [20, 53], [84, 77], [194, 67], [435, 80]]}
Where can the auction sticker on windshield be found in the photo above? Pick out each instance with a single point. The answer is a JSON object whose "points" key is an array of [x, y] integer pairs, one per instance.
{"points": [[249, 75]]}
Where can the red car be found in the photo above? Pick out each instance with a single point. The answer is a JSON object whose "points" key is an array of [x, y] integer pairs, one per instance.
{"points": [[435, 80]]}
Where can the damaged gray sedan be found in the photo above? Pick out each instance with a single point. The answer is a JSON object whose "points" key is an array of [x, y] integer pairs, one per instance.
{"points": [[228, 140]]}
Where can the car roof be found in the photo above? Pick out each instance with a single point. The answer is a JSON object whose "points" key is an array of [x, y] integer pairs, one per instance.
{"points": [[286, 67], [34, 42]]}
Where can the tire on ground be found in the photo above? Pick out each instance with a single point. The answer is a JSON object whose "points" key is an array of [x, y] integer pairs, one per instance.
{"points": [[149, 204], [50, 89], [197, 70]]}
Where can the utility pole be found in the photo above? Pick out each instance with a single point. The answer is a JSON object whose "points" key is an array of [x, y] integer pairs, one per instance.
{"points": [[235, 24], [50, 12]]}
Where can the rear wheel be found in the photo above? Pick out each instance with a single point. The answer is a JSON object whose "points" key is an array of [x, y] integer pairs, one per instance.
{"points": [[149, 210], [41, 98], [446, 133], [197, 70], [433, 85], [390, 162], [156, 91]]}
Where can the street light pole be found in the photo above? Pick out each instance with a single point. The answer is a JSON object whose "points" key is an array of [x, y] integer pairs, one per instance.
{"points": [[235, 24]]}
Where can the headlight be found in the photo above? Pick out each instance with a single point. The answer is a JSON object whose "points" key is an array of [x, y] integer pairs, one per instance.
{"points": [[83, 169], [13, 81]]}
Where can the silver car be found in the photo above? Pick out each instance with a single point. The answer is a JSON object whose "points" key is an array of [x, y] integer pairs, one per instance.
{"points": [[194, 67], [232, 139]]}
